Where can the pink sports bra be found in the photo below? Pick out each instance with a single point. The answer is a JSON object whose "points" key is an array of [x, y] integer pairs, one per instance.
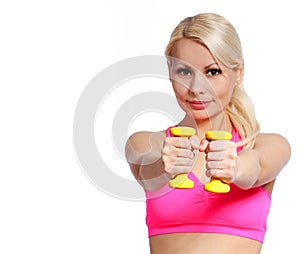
{"points": [[240, 212]]}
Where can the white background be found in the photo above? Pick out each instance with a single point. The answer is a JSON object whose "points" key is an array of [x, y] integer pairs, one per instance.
{"points": [[50, 50]]}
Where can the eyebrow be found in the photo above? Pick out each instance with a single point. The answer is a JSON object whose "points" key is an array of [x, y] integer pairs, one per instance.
{"points": [[188, 66], [208, 66]]}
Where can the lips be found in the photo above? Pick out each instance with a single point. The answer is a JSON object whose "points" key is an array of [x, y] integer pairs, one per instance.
{"points": [[198, 105]]}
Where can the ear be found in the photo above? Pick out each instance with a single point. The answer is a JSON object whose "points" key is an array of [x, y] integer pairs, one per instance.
{"points": [[239, 75], [169, 61]]}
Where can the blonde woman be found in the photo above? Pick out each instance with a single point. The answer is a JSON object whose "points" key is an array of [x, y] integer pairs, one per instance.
{"points": [[206, 70]]}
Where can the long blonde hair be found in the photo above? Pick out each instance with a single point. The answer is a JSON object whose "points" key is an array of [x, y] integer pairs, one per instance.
{"points": [[222, 40]]}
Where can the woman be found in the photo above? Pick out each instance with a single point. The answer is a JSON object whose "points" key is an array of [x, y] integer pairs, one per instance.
{"points": [[206, 70]]}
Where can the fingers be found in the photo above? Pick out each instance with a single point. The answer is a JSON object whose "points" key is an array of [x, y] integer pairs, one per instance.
{"points": [[195, 142], [178, 142], [224, 170], [177, 156], [178, 147], [203, 145], [224, 175], [221, 158], [177, 165]]}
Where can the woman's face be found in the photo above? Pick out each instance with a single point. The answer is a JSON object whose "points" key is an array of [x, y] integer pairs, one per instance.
{"points": [[203, 87]]}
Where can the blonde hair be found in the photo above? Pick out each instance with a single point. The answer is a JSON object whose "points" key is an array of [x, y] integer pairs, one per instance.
{"points": [[222, 40]]}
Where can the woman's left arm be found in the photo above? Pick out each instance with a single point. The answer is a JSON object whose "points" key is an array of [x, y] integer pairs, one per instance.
{"points": [[262, 164]]}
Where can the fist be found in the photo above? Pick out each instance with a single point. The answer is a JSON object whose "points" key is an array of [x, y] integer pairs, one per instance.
{"points": [[178, 155], [221, 157]]}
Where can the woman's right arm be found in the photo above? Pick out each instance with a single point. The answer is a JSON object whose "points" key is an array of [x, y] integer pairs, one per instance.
{"points": [[154, 159]]}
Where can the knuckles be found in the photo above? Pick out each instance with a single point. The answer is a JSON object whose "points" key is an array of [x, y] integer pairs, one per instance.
{"points": [[221, 156], [177, 155], [221, 160]]}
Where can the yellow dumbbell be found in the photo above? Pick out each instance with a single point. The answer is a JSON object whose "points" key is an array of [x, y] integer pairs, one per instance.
{"points": [[216, 185], [182, 181]]}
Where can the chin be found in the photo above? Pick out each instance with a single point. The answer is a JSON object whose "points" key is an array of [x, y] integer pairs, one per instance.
{"points": [[198, 116]]}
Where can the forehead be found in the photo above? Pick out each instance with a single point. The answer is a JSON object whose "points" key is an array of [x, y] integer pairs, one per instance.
{"points": [[193, 53]]}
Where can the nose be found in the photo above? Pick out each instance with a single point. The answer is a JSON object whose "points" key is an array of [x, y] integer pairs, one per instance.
{"points": [[199, 84]]}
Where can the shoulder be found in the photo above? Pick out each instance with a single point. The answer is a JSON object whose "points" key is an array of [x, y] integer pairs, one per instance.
{"points": [[267, 139], [144, 140], [144, 143], [273, 147]]}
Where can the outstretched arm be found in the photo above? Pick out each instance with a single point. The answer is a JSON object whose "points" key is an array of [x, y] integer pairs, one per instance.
{"points": [[263, 163], [154, 158], [250, 168]]}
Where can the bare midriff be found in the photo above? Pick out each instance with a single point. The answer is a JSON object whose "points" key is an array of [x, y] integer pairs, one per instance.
{"points": [[203, 243]]}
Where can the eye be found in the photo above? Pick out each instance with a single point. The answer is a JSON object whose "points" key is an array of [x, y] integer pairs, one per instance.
{"points": [[184, 72], [213, 72]]}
